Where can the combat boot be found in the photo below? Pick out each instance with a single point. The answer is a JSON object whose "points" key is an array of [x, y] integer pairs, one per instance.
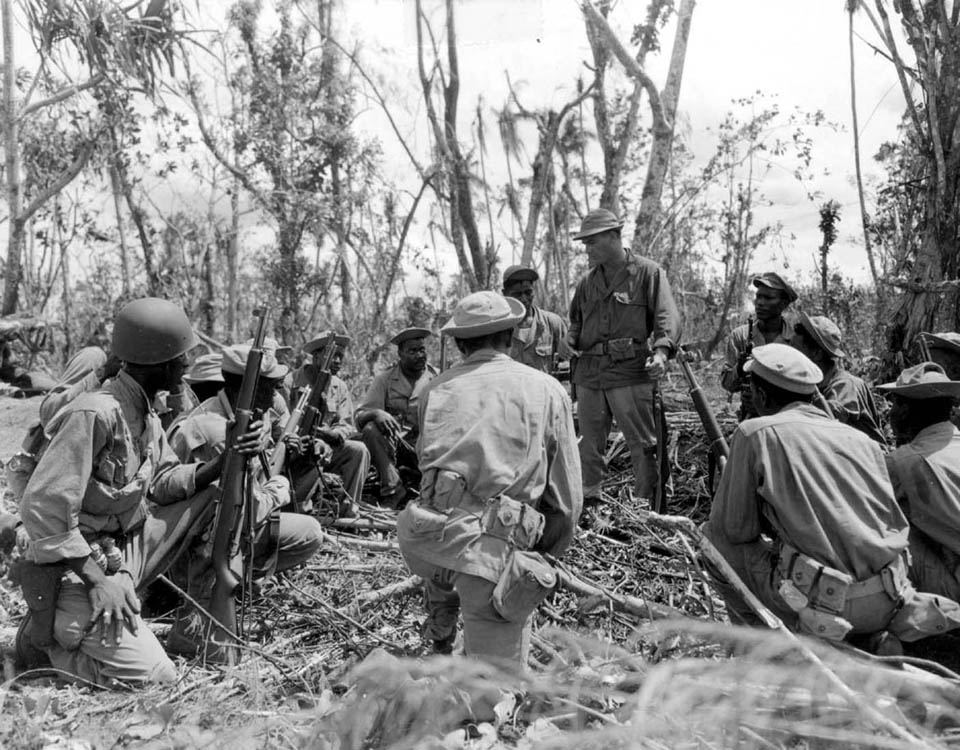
{"points": [[27, 655]]}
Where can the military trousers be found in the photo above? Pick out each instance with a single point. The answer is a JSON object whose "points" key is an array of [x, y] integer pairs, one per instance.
{"points": [[385, 455], [632, 407], [147, 553], [486, 634]]}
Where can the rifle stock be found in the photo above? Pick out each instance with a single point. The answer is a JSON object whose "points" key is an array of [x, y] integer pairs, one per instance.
{"points": [[718, 443], [279, 454], [228, 522]]}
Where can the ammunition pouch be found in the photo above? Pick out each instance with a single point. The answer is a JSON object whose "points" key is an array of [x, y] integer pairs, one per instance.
{"points": [[527, 579], [821, 595], [40, 585]]}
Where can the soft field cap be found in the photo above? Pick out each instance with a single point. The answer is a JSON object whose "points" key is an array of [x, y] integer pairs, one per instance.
{"points": [[483, 313], [775, 281], [785, 367], [323, 340], [206, 369], [519, 273], [825, 332], [597, 221], [235, 362], [926, 380], [410, 333]]}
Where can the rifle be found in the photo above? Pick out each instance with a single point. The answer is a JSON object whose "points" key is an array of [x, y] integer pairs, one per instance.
{"points": [[718, 443], [316, 408], [279, 454], [228, 521], [443, 352]]}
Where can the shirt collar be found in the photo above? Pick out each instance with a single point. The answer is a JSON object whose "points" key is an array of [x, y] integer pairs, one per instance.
{"points": [[938, 430]]}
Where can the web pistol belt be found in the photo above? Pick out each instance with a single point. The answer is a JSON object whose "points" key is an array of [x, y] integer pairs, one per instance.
{"points": [[830, 589], [610, 346]]}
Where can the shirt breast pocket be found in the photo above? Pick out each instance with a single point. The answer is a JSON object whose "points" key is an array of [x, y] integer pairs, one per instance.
{"points": [[632, 314]]}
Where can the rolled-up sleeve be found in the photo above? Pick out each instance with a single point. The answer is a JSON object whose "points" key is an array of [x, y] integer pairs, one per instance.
{"points": [[728, 375], [50, 507], [375, 398], [173, 481]]}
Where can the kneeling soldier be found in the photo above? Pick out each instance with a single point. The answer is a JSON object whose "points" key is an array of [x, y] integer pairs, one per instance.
{"points": [[501, 483], [806, 516], [108, 474]]}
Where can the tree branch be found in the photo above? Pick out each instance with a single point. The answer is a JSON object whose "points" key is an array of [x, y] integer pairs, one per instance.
{"points": [[630, 65], [65, 178], [64, 93]]}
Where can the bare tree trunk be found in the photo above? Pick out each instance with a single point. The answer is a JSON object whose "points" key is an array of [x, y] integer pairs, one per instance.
{"points": [[233, 253], [662, 148], [67, 296], [14, 270], [122, 233], [874, 273]]}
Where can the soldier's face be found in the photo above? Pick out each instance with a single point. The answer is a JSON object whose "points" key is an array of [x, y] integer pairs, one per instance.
{"points": [[521, 290], [336, 359], [263, 398], [769, 303], [603, 248], [413, 355]]}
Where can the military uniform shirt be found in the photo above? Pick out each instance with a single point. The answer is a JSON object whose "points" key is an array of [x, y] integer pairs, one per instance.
{"points": [[852, 402], [392, 392], [339, 416], [926, 481], [539, 342], [107, 456], [737, 345], [815, 484], [636, 304]]}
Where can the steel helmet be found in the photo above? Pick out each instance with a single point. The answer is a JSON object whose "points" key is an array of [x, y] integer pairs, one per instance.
{"points": [[149, 331]]}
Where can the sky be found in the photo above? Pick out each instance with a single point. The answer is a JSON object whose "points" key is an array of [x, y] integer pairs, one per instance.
{"points": [[793, 50]]}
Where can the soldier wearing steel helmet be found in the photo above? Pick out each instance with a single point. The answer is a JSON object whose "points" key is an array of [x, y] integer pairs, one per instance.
{"points": [[109, 472]]}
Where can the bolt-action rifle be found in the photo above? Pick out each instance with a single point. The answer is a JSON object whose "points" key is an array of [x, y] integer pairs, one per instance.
{"points": [[228, 522], [316, 409], [278, 455], [718, 443]]}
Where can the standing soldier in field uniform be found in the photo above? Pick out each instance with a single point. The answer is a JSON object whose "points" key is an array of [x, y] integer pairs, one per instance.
{"points": [[773, 297], [387, 418], [501, 484], [540, 338], [622, 304]]}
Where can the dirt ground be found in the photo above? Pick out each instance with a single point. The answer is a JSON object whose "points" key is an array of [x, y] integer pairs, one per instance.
{"points": [[16, 415]]}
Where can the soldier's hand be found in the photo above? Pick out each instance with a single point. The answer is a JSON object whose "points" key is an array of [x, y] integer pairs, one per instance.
{"points": [[253, 441], [656, 364], [322, 451], [295, 445], [388, 425], [115, 605]]}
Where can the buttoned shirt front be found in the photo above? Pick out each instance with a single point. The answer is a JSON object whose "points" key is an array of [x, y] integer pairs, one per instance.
{"points": [[852, 402], [636, 304], [814, 483], [507, 431], [107, 457], [926, 481], [540, 339], [395, 394]]}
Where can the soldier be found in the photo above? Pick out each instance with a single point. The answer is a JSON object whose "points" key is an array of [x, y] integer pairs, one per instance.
{"points": [[540, 339], [347, 458], [849, 397], [280, 540], [387, 418], [501, 483], [618, 307], [925, 472], [108, 471], [773, 297], [805, 514]]}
